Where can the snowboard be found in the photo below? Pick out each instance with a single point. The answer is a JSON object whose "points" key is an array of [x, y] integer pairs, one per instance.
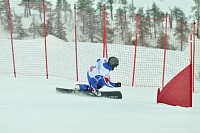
{"points": [[106, 94]]}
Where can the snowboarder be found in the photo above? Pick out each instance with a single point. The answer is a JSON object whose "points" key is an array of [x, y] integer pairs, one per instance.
{"points": [[99, 75]]}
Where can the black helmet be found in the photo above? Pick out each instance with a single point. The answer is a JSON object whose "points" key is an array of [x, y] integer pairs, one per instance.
{"points": [[113, 62]]}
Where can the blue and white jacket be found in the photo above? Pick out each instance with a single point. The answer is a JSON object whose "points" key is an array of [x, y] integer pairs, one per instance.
{"points": [[99, 74]]}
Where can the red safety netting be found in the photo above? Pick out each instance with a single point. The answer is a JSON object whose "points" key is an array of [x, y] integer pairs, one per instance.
{"points": [[7, 64], [89, 27], [45, 39]]}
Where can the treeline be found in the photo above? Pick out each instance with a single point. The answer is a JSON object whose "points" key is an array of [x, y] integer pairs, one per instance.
{"points": [[148, 29], [56, 17], [91, 21]]}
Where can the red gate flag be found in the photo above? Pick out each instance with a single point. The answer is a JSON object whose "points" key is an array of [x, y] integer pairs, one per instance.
{"points": [[178, 92]]}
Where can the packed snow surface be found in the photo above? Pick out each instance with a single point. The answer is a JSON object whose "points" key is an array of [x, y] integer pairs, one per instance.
{"points": [[32, 105]]}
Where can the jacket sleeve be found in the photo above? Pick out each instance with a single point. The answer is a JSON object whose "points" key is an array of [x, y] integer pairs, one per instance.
{"points": [[106, 82]]}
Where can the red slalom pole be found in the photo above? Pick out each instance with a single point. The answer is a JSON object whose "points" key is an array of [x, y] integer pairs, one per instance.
{"points": [[45, 40], [135, 49], [11, 38], [165, 46], [76, 43]]}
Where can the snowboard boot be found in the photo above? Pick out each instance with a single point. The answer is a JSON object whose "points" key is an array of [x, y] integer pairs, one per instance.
{"points": [[77, 88], [97, 93]]}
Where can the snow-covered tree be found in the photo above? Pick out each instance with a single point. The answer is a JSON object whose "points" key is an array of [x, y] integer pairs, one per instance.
{"points": [[100, 11], [2, 3], [125, 7], [155, 13], [49, 22], [59, 25], [182, 33], [177, 13], [5, 15], [100, 23], [19, 28], [110, 6], [143, 29], [67, 9], [148, 21], [196, 10], [131, 10], [90, 20], [161, 42], [82, 11], [27, 7], [33, 27], [121, 23]]}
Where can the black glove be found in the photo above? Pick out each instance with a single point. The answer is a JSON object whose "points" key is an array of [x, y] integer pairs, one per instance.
{"points": [[118, 84]]}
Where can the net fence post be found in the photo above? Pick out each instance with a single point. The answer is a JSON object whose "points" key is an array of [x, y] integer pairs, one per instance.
{"points": [[165, 46], [76, 42], [13, 56], [136, 37], [191, 74], [105, 54], [45, 40], [194, 26]]}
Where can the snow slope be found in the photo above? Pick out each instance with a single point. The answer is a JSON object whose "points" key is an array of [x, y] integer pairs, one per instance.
{"points": [[31, 105], [30, 60]]}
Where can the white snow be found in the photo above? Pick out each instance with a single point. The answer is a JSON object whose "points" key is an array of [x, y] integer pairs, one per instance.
{"points": [[32, 105]]}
